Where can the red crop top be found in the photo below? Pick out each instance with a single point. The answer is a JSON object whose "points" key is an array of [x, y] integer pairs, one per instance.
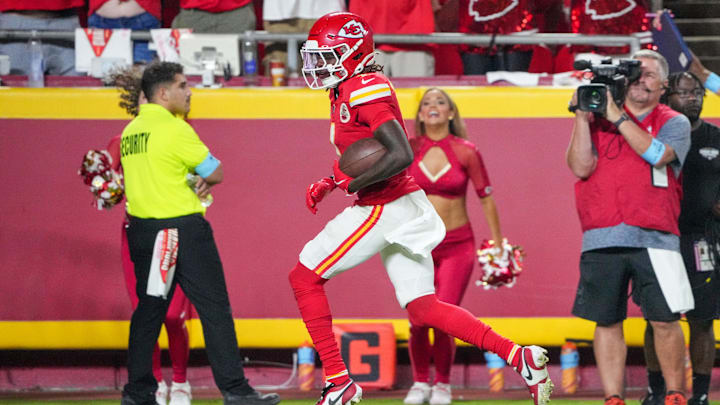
{"points": [[464, 162]]}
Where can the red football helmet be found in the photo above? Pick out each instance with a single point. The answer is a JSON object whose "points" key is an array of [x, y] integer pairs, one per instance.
{"points": [[339, 46]]}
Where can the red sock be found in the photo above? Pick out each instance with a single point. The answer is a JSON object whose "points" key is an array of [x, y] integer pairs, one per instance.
{"points": [[458, 322], [315, 311]]}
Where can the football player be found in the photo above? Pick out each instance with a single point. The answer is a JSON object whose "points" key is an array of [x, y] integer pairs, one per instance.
{"points": [[391, 216]]}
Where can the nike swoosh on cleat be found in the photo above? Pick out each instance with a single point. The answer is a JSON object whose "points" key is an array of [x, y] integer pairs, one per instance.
{"points": [[529, 375], [339, 397]]}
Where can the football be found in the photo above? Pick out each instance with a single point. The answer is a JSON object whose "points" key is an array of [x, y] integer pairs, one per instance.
{"points": [[360, 156]]}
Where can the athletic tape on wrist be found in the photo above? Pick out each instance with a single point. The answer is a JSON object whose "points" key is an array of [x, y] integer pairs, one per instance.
{"points": [[654, 152], [713, 83]]}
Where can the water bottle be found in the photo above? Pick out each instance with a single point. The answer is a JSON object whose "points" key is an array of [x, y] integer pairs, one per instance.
{"points": [[249, 52], [569, 362], [192, 180], [306, 367], [36, 76], [495, 365]]}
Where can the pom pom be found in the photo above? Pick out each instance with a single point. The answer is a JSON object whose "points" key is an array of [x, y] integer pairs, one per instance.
{"points": [[106, 184], [500, 265]]}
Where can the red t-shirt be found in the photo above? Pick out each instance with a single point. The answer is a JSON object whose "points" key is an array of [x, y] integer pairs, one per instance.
{"points": [[362, 104], [397, 17], [214, 6], [151, 6], [7, 5]]}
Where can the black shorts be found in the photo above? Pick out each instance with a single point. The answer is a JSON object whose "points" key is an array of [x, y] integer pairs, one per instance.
{"points": [[605, 276], [705, 285]]}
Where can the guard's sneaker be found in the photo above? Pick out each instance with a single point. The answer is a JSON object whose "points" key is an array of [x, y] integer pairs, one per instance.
{"points": [[419, 394], [180, 393], [652, 399], [702, 400], [348, 393], [533, 369], [675, 398], [441, 394], [161, 393], [614, 400]]}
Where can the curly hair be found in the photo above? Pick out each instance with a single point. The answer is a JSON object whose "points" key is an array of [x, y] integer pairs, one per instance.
{"points": [[128, 82], [372, 68]]}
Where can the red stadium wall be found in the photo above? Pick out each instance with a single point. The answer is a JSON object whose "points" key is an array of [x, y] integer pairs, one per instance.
{"points": [[60, 256]]}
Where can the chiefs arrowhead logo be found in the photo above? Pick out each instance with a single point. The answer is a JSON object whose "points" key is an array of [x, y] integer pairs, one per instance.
{"points": [[352, 29], [605, 13], [482, 10], [344, 113]]}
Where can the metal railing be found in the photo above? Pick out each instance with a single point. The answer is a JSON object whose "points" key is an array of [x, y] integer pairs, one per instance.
{"points": [[293, 40]]}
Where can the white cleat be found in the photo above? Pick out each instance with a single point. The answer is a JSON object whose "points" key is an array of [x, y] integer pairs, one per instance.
{"points": [[533, 369], [346, 394]]}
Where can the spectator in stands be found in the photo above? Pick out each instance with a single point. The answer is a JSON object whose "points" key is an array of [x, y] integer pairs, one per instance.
{"points": [[132, 14], [496, 17], [56, 15], [216, 16], [292, 16], [400, 17], [551, 17], [608, 17]]}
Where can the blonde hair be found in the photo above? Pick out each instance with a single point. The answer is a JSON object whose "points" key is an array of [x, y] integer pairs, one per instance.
{"points": [[457, 125]]}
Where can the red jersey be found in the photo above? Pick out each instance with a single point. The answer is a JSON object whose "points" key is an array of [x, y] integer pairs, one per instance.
{"points": [[151, 6], [397, 17], [496, 17], [214, 6], [7, 5], [358, 106]]}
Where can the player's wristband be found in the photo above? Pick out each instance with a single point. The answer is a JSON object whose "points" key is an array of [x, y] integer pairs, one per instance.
{"points": [[713, 83], [654, 152]]}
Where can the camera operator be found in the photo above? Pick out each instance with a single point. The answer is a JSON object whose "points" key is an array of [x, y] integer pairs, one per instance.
{"points": [[628, 162]]}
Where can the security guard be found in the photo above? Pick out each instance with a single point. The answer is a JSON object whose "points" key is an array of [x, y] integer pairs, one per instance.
{"points": [[158, 150]]}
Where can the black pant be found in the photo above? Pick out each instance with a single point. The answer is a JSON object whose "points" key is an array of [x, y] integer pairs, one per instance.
{"points": [[200, 274], [480, 64]]}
